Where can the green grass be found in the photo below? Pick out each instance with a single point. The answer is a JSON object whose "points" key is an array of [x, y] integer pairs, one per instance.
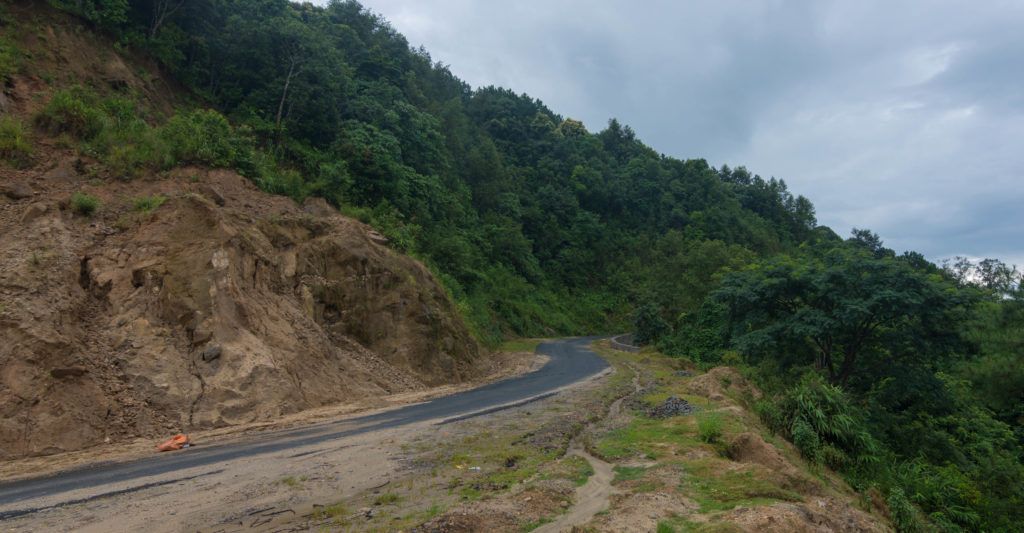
{"points": [[581, 470], [15, 142], [148, 204], [718, 489], [336, 513], [628, 473], [10, 58], [709, 427], [84, 204], [530, 526], [388, 498], [75, 112], [645, 437], [292, 481], [519, 345]]}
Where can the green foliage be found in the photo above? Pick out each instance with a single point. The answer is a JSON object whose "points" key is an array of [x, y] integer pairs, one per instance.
{"points": [[535, 224], [148, 204], [648, 325], [904, 515], [820, 420], [15, 144], [84, 204], [709, 427], [202, 137], [842, 308], [107, 14], [73, 111], [10, 58]]}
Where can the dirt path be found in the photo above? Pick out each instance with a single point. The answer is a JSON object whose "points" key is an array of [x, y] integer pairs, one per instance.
{"points": [[594, 495]]}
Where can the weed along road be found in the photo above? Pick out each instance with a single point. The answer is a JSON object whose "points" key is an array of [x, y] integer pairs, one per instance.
{"points": [[570, 361]]}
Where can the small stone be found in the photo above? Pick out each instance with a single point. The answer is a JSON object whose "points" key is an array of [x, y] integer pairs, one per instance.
{"points": [[211, 353], [213, 194], [16, 191], [70, 372], [34, 211]]}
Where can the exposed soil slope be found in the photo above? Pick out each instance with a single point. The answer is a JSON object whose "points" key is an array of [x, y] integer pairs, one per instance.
{"points": [[200, 314], [224, 305]]}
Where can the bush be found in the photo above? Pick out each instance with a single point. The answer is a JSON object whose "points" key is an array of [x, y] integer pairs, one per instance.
{"points": [[904, 514], [202, 137], [15, 147], [75, 112], [148, 204], [10, 59], [648, 325], [107, 14], [822, 423], [84, 204], [709, 427]]}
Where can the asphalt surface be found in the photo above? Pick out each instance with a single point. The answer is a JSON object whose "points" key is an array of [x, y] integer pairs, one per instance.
{"points": [[570, 361]]}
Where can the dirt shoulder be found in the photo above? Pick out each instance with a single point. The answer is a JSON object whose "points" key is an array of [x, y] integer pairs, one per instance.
{"points": [[599, 458]]}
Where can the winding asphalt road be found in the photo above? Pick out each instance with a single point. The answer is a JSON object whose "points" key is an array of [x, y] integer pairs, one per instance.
{"points": [[570, 361]]}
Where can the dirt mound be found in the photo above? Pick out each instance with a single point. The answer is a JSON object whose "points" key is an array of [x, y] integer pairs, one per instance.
{"points": [[816, 515], [751, 448], [640, 512], [224, 305], [720, 381], [508, 513]]}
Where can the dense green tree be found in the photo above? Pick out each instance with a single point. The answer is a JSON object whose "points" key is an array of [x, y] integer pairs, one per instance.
{"points": [[845, 308]]}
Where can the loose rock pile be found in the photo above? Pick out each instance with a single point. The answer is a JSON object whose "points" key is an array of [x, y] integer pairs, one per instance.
{"points": [[672, 406]]}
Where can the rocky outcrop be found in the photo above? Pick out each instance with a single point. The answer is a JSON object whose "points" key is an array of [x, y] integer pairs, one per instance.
{"points": [[224, 306]]}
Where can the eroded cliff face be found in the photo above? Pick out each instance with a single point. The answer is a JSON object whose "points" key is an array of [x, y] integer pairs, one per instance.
{"points": [[222, 306]]}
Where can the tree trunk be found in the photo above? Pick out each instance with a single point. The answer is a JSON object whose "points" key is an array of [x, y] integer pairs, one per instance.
{"points": [[284, 98], [162, 10]]}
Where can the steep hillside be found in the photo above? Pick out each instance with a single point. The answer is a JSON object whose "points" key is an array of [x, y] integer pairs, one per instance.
{"points": [[539, 224], [185, 298]]}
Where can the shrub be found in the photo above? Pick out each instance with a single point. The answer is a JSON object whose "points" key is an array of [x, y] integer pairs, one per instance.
{"points": [[904, 514], [203, 137], [75, 112], [128, 159], [107, 14], [709, 427], [10, 59], [15, 147], [148, 204], [84, 204], [822, 423], [648, 325]]}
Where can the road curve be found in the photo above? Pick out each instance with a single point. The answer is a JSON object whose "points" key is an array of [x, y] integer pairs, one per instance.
{"points": [[570, 361]]}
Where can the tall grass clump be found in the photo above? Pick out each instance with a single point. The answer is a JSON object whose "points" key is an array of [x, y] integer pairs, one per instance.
{"points": [[84, 204], [15, 143], [709, 427], [73, 111], [10, 59], [148, 204]]}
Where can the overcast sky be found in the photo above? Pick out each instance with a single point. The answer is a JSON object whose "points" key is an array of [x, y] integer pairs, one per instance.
{"points": [[903, 117]]}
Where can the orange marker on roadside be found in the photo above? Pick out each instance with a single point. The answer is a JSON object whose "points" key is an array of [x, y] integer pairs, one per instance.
{"points": [[176, 442]]}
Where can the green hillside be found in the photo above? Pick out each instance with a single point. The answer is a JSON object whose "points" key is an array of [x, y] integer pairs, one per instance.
{"points": [[906, 377]]}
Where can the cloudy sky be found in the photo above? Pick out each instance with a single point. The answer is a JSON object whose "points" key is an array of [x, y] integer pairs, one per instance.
{"points": [[906, 117]]}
